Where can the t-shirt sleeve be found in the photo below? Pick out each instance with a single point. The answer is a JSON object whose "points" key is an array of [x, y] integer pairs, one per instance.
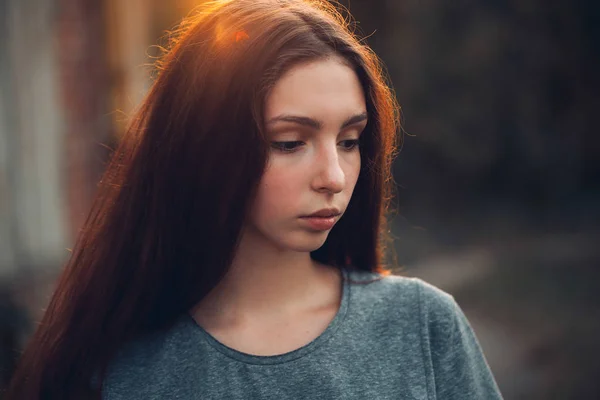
{"points": [[455, 362]]}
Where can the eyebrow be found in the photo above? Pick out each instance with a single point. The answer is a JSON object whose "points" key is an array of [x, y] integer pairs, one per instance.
{"points": [[314, 123]]}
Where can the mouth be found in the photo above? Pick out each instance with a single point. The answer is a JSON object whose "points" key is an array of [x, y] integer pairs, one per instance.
{"points": [[320, 223], [324, 213]]}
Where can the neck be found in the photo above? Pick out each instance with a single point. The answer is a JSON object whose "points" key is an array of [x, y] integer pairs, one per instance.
{"points": [[270, 285]]}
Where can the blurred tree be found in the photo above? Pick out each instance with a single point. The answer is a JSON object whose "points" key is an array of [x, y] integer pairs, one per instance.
{"points": [[500, 99], [84, 82]]}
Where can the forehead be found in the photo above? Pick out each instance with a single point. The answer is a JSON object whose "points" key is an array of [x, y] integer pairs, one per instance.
{"points": [[325, 89]]}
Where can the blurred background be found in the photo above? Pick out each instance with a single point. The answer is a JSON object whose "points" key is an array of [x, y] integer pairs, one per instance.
{"points": [[497, 181]]}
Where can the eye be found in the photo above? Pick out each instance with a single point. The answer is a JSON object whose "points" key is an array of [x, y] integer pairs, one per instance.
{"points": [[286, 147], [351, 144], [290, 147]]}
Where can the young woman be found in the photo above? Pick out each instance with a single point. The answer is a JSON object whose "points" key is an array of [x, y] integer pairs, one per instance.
{"points": [[235, 248]]}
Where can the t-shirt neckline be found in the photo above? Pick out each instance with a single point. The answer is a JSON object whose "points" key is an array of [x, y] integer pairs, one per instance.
{"points": [[291, 355]]}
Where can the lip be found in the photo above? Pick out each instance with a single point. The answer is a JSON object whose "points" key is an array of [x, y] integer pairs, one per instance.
{"points": [[324, 213], [320, 223]]}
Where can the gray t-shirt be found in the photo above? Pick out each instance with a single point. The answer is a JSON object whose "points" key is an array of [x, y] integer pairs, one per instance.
{"points": [[393, 338]]}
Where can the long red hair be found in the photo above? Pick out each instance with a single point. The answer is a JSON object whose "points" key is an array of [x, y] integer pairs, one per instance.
{"points": [[149, 250]]}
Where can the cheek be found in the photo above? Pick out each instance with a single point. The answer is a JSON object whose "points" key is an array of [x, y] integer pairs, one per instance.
{"points": [[277, 194], [352, 171]]}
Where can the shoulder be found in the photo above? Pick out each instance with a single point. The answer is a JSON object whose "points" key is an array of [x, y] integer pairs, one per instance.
{"points": [[131, 364], [401, 308], [401, 294], [142, 366], [417, 311]]}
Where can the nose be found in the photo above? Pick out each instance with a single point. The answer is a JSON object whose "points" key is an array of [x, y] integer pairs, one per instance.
{"points": [[329, 175]]}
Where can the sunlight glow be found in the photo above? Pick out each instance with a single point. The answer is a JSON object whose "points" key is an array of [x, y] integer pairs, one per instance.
{"points": [[241, 35], [225, 37]]}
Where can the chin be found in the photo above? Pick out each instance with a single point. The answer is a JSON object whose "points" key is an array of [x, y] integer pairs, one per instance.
{"points": [[306, 243], [297, 241]]}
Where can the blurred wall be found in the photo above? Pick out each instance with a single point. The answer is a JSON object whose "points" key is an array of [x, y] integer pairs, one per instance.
{"points": [[32, 223]]}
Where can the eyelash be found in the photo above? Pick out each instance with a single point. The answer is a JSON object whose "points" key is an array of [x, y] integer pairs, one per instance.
{"points": [[281, 145]]}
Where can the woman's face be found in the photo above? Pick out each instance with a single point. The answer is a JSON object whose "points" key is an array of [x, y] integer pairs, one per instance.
{"points": [[320, 108]]}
